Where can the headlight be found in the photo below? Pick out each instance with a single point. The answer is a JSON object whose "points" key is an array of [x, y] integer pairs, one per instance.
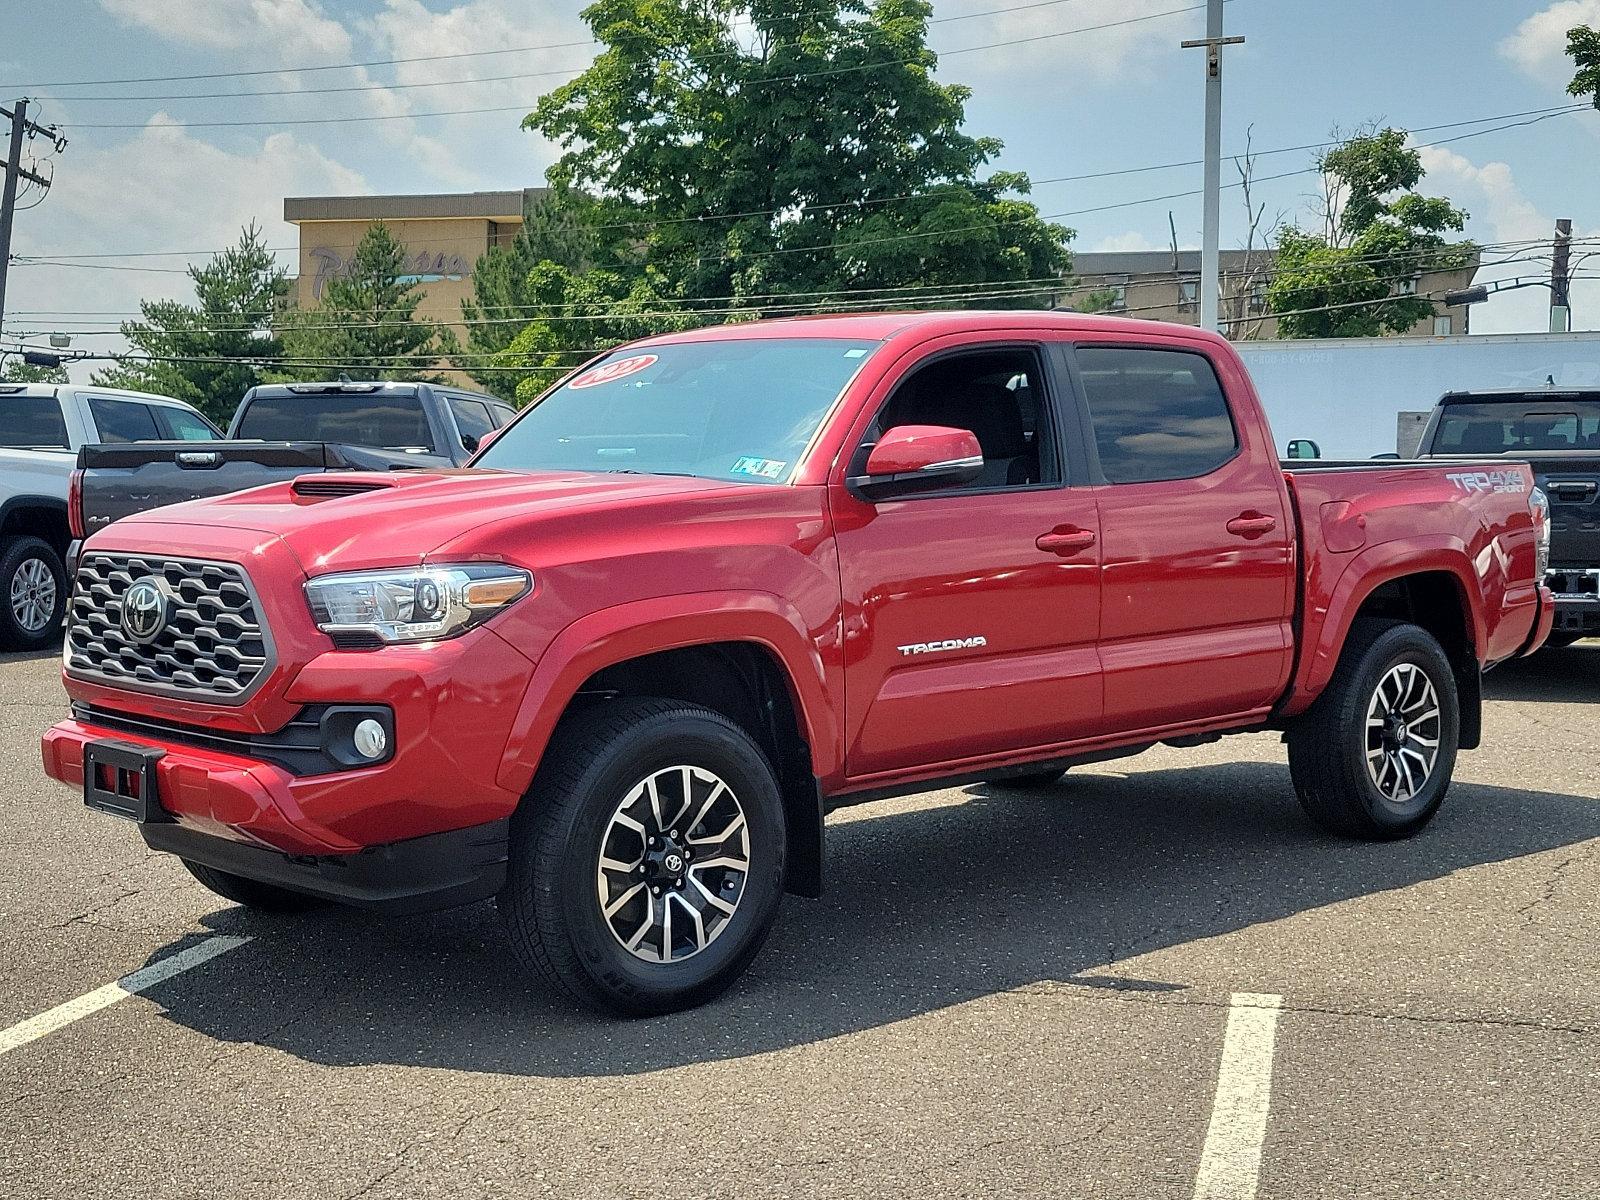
{"points": [[415, 604], [1541, 530]]}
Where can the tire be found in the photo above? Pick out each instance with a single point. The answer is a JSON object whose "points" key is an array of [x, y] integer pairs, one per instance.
{"points": [[252, 894], [1331, 745], [597, 771], [33, 594], [1560, 641], [1030, 781]]}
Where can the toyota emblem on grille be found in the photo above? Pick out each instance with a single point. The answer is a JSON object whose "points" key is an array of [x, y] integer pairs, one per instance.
{"points": [[144, 610]]}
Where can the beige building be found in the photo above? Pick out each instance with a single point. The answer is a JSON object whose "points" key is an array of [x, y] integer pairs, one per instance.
{"points": [[1165, 286], [444, 236]]}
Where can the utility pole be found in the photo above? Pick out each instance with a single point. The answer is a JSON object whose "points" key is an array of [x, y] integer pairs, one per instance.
{"points": [[20, 127], [1561, 279], [1210, 270]]}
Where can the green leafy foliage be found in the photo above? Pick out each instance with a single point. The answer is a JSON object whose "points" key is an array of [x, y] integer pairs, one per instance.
{"points": [[18, 371], [754, 158], [366, 325], [1348, 280], [1583, 45], [203, 352]]}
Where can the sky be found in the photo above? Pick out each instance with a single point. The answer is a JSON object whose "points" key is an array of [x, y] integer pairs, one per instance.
{"points": [[148, 171]]}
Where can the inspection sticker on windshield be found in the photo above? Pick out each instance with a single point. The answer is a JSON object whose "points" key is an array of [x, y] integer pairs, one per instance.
{"points": [[761, 468], [610, 372]]}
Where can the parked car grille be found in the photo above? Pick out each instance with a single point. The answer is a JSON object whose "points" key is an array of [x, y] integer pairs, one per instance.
{"points": [[204, 640]]}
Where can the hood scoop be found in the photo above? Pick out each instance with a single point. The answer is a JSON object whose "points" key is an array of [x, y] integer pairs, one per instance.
{"points": [[326, 487]]}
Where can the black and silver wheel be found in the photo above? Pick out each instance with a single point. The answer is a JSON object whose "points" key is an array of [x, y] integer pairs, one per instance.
{"points": [[1373, 756], [33, 592], [647, 860]]}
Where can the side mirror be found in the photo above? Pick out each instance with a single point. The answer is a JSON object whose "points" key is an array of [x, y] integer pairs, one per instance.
{"points": [[1304, 448], [477, 445], [919, 458]]}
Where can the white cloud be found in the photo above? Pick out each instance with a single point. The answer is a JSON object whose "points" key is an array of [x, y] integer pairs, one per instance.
{"points": [[1130, 49], [1539, 44], [1498, 206], [293, 29], [161, 190]]}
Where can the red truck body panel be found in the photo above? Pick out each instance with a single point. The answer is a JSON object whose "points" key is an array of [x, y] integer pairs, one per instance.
{"points": [[1197, 605]]}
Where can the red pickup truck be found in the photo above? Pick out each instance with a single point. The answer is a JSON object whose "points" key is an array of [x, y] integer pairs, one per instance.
{"points": [[717, 583]]}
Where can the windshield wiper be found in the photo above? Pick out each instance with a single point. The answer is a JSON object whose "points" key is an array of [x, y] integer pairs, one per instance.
{"points": [[636, 471]]}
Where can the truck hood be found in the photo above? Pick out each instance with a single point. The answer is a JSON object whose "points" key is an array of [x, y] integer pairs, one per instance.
{"points": [[358, 520]]}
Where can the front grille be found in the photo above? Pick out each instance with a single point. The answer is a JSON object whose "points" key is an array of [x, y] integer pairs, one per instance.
{"points": [[211, 644]]}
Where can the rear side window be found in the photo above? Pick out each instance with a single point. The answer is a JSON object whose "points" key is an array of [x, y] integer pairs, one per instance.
{"points": [[387, 422], [123, 420], [181, 425], [472, 419], [32, 423], [1157, 414]]}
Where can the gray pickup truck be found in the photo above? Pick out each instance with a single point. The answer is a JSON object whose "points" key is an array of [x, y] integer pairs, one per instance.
{"points": [[1557, 431], [42, 427], [284, 430]]}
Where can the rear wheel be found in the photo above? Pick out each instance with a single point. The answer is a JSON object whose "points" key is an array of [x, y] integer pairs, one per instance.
{"points": [[647, 861], [33, 594], [1373, 756], [263, 897]]}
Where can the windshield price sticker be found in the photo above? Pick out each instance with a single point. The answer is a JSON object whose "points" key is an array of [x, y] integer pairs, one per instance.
{"points": [[610, 372], [760, 468]]}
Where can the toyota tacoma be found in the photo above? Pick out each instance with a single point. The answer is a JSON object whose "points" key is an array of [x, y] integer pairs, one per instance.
{"points": [[712, 585]]}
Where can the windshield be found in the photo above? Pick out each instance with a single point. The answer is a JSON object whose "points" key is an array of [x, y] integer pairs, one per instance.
{"points": [[382, 420], [740, 409], [1495, 428]]}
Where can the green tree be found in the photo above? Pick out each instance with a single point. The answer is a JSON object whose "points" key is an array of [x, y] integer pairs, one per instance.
{"points": [[756, 150], [1100, 300], [206, 353], [367, 322], [1378, 233], [558, 231], [1583, 44], [21, 372], [579, 314]]}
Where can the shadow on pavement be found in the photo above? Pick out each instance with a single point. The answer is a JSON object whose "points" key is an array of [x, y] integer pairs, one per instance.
{"points": [[1567, 676], [923, 910]]}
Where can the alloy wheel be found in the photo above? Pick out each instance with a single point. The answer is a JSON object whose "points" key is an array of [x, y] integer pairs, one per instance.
{"points": [[33, 595], [1402, 732], [674, 860]]}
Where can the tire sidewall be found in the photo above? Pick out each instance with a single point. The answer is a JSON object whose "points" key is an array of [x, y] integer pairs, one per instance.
{"points": [[665, 741], [1405, 644], [12, 557]]}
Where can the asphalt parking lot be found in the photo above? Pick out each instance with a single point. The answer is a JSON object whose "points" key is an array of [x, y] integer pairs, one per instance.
{"points": [[1001, 995]]}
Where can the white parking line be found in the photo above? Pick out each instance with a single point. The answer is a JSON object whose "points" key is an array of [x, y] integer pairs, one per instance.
{"points": [[1230, 1165], [63, 1015]]}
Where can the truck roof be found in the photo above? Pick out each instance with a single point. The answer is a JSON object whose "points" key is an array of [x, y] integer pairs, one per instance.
{"points": [[880, 326], [1544, 392], [359, 386]]}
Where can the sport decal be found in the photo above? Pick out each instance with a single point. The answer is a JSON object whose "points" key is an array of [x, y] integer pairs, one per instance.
{"points": [[610, 372]]}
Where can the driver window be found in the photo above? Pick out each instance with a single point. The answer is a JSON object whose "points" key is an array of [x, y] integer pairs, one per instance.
{"points": [[997, 395]]}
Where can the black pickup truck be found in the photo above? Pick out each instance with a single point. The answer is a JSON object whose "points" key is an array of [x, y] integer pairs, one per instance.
{"points": [[1557, 430], [284, 430]]}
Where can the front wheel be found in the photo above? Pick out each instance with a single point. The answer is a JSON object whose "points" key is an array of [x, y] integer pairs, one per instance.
{"points": [[1373, 756], [33, 594], [647, 860]]}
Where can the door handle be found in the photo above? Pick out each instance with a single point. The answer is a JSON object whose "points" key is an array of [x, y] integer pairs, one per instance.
{"points": [[1252, 525], [1065, 541]]}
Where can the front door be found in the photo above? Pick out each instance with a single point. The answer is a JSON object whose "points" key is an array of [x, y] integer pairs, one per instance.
{"points": [[970, 615]]}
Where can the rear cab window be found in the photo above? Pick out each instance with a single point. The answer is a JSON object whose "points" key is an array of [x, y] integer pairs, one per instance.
{"points": [[1501, 427], [1157, 414], [32, 423], [384, 420]]}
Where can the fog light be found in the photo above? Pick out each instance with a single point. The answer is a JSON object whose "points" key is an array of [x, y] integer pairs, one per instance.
{"points": [[370, 739]]}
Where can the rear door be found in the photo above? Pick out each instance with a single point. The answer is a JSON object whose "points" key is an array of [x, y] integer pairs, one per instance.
{"points": [[970, 614], [1196, 537]]}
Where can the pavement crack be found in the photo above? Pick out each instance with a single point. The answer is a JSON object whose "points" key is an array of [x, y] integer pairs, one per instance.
{"points": [[398, 1159]]}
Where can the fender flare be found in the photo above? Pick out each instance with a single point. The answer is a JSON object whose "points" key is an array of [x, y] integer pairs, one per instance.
{"points": [[639, 628], [1364, 574]]}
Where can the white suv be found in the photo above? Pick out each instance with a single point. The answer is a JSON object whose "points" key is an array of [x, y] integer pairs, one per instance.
{"points": [[41, 428]]}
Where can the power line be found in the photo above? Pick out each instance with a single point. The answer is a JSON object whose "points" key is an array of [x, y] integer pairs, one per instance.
{"points": [[827, 73]]}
